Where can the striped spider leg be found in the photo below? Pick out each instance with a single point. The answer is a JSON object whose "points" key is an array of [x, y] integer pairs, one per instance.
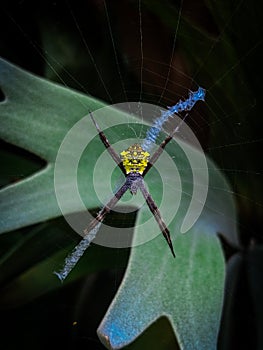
{"points": [[134, 163]]}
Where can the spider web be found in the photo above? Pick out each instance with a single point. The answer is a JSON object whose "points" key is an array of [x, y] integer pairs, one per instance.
{"points": [[109, 51], [151, 53]]}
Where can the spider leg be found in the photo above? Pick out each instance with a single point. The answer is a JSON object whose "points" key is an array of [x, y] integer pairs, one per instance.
{"points": [[89, 234], [158, 152], [114, 155], [160, 149], [107, 208], [157, 215]]}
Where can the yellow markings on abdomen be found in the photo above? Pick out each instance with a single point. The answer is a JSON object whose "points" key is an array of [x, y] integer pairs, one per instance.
{"points": [[135, 159]]}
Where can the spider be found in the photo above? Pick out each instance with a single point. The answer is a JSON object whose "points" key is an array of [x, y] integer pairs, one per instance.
{"points": [[135, 163]]}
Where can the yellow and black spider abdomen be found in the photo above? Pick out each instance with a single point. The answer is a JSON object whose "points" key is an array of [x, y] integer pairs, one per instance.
{"points": [[135, 159]]}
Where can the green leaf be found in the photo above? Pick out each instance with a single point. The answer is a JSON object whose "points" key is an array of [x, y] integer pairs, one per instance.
{"points": [[35, 257], [188, 290], [35, 115], [47, 119]]}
